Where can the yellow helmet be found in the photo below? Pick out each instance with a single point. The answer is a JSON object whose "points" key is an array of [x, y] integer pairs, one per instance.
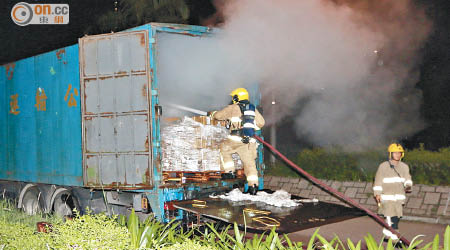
{"points": [[239, 94], [395, 147]]}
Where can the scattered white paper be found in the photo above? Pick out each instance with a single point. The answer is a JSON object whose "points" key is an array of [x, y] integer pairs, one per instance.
{"points": [[279, 198]]}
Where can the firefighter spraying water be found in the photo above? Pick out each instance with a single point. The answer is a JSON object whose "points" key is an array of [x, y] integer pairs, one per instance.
{"points": [[243, 119]]}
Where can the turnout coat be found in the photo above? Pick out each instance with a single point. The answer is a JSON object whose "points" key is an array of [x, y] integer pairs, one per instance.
{"points": [[390, 183]]}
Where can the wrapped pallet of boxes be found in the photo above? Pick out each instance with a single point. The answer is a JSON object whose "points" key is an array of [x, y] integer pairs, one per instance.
{"points": [[192, 145]]}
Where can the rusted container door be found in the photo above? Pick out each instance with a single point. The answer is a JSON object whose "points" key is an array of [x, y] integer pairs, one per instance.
{"points": [[116, 120]]}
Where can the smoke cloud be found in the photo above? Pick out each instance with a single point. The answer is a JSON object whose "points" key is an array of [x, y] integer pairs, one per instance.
{"points": [[345, 70]]}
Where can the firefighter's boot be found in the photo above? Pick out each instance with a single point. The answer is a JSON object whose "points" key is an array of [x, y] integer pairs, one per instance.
{"points": [[252, 190]]}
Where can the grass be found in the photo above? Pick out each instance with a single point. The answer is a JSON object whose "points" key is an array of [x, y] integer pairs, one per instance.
{"points": [[18, 231], [10, 214]]}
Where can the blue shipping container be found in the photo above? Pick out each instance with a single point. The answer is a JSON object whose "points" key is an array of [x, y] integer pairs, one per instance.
{"points": [[87, 115]]}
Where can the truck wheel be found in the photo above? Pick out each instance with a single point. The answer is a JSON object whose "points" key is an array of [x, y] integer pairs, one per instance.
{"points": [[30, 201], [64, 204]]}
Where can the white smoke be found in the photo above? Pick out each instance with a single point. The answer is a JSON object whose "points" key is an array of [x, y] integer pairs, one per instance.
{"points": [[352, 66]]}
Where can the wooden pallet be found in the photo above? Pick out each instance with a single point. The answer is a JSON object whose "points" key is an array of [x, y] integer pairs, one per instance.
{"points": [[190, 176]]}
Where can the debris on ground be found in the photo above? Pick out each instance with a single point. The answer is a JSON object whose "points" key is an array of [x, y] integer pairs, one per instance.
{"points": [[279, 198]]}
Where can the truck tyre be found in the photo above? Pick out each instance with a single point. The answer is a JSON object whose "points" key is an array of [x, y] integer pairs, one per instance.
{"points": [[64, 203], [31, 201]]}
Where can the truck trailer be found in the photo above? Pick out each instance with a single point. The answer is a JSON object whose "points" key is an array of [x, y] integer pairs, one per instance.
{"points": [[81, 127]]}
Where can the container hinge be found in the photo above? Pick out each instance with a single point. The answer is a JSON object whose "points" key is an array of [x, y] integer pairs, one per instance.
{"points": [[158, 110]]}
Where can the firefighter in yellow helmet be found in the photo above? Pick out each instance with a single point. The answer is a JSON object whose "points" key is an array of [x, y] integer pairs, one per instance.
{"points": [[391, 181], [243, 119]]}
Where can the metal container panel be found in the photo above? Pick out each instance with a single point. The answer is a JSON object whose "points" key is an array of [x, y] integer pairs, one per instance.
{"points": [[116, 110], [41, 138], [111, 169], [121, 133], [114, 97]]}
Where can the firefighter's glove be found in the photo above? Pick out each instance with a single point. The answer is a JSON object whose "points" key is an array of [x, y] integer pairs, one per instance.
{"points": [[211, 114], [245, 139], [378, 198]]}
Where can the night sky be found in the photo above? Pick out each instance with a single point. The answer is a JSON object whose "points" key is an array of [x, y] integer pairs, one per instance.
{"points": [[20, 42]]}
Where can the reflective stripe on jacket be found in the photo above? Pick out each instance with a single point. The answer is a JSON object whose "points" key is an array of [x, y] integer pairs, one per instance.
{"points": [[390, 182]]}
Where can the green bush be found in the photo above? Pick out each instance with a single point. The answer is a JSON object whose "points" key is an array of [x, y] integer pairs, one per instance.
{"points": [[10, 214], [90, 231], [22, 236], [426, 167], [18, 231], [152, 234]]}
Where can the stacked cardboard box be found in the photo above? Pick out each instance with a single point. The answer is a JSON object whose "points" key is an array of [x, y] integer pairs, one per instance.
{"points": [[206, 120], [192, 145]]}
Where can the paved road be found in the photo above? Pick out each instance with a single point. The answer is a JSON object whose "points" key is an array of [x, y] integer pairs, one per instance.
{"points": [[356, 229]]}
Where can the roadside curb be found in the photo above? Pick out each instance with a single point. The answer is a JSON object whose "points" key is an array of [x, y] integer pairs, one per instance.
{"points": [[427, 220]]}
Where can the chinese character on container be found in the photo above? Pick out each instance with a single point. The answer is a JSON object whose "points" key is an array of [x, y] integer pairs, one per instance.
{"points": [[58, 19], [72, 102], [43, 19], [41, 103], [14, 104]]}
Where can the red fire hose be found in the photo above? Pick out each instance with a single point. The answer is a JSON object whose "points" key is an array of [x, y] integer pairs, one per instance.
{"points": [[333, 191]]}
